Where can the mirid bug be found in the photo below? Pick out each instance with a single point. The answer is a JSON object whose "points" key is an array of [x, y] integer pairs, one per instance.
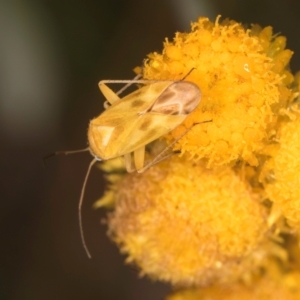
{"points": [[128, 124], [139, 118]]}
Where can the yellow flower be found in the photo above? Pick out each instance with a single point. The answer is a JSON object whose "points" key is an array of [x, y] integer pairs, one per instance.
{"points": [[185, 224], [242, 76], [287, 288]]}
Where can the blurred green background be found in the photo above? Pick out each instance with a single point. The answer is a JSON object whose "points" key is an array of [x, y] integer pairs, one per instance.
{"points": [[52, 55]]}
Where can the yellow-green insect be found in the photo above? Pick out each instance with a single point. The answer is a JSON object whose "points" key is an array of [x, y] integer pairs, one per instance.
{"points": [[139, 118]]}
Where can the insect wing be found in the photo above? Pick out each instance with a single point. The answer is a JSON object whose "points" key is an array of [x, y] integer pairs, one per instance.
{"points": [[138, 101], [168, 111], [148, 128], [131, 106], [108, 131], [179, 98], [141, 117]]}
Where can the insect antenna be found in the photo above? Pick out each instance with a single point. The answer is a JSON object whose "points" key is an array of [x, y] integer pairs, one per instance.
{"points": [[63, 152], [80, 208], [82, 191], [128, 84]]}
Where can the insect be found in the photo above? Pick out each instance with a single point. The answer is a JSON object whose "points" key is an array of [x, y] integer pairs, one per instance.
{"points": [[128, 124]]}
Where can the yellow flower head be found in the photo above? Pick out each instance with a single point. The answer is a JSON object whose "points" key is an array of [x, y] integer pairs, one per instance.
{"points": [[187, 225], [287, 288], [242, 76]]}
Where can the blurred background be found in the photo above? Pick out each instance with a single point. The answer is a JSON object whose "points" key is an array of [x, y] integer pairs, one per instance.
{"points": [[52, 55]]}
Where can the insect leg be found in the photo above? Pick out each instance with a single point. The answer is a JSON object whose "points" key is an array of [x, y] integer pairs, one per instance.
{"points": [[162, 155], [128, 163], [139, 158], [189, 72], [110, 96], [157, 160]]}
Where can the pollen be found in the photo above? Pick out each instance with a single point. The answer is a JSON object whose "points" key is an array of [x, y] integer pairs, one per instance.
{"points": [[181, 232], [236, 69]]}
